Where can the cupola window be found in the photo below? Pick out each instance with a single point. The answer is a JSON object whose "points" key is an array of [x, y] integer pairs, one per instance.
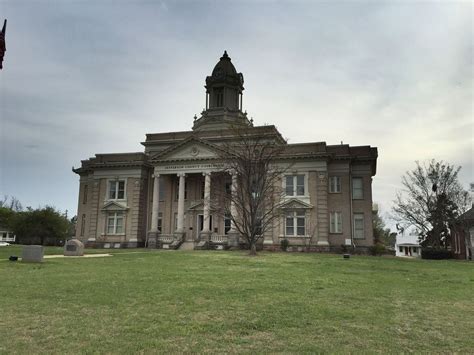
{"points": [[219, 97]]}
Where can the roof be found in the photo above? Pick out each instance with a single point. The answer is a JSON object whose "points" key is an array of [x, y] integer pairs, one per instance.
{"points": [[224, 66], [467, 217], [224, 72], [220, 135], [407, 239], [113, 160]]}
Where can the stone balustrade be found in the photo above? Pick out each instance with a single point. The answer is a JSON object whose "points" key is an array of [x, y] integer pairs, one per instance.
{"points": [[219, 239], [166, 238]]}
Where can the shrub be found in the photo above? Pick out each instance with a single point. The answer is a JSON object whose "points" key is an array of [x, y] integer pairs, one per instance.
{"points": [[436, 253], [284, 244], [377, 249], [344, 248]]}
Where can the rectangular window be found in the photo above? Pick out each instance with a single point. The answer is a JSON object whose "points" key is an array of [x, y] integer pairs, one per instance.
{"points": [[117, 190], [119, 224], [359, 226], [84, 197], [227, 223], [294, 185], [121, 190], [400, 249], [357, 189], [300, 185], [335, 222], [295, 222], [115, 223], [112, 190], [219, 92], [300, 223], [290, 226], [160, 221], [83, 224], [335, 184], [111, 224]]}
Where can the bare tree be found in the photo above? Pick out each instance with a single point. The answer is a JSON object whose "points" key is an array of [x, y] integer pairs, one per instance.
{"points": [[432, 199], [253, 205], [11, 202], [309, 241]]}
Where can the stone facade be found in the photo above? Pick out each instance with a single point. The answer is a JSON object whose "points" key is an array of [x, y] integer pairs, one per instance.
{"points": [[161, 197]]}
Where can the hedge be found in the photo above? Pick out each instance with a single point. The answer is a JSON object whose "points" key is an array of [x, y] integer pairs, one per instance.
{"points": [[436, 254]]}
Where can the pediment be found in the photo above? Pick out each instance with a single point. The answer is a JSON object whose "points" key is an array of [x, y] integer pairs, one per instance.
{"points": [[114, 206], [294, 204], [190, 149], [196, 206]]}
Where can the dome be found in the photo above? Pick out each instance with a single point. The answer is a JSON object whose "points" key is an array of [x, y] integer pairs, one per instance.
{"points": [[224, 67]]}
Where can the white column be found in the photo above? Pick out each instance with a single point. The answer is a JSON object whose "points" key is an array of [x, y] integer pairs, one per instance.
{"points": [[180, 226], [156, 202], [233, 210], [207, 202]]}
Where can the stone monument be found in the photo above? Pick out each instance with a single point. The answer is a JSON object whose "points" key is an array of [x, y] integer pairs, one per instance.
{"points": [[32, 254], [73, 247]]}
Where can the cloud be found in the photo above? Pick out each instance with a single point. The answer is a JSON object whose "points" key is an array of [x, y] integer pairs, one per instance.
{"points": [[88, 77]]}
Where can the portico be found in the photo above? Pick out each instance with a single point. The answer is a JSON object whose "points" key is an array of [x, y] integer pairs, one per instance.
{"points": [[194, 221]]}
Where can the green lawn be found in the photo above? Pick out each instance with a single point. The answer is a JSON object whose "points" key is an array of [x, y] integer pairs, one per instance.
{"points": [[172, 301]]}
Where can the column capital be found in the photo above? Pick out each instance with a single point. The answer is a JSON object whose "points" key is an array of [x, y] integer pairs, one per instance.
{"points": [[206, 173], [181, 174], [155, 175]]}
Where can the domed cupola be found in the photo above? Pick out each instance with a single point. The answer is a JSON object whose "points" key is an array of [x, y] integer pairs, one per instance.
{"points": [[224, 67], [224, 90], [225, 86]]}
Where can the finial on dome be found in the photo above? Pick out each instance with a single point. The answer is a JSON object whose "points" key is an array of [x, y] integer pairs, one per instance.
{"points": [[225, 55]]}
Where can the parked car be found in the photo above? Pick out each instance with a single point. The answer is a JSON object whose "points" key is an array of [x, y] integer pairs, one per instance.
{"points": [[4, 244]]}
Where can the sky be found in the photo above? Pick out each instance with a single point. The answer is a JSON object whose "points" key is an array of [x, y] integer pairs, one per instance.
{"points": [[83, 77]]}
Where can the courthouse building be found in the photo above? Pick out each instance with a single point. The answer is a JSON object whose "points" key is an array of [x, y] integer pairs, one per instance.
{"points": [[161, 196]]}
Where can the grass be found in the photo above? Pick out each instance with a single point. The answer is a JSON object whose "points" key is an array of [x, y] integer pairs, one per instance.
{"points": [[173, 301]]}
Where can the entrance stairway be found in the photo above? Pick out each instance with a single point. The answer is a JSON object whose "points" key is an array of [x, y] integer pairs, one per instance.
{"points": [[170, 241], [175, 244]]}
